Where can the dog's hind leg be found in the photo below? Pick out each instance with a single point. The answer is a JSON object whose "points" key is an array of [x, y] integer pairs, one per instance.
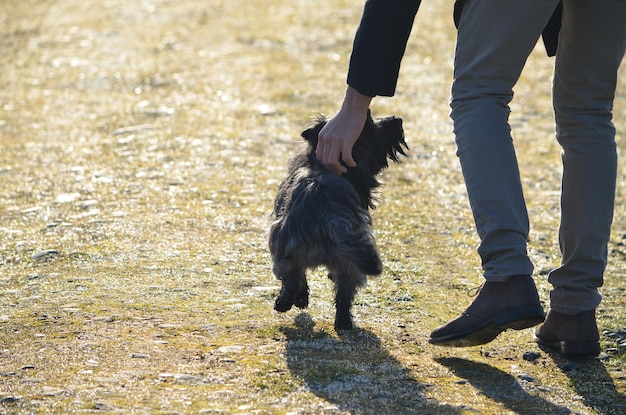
{"points": [[346, 286], [302, 297], [294, 290], [344, 296]]}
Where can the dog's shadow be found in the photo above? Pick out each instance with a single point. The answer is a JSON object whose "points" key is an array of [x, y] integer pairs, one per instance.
{"points": [[354, 372], [593, 383]]}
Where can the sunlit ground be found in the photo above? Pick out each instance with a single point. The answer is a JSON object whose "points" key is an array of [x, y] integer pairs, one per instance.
{"points": [[142, 145]]}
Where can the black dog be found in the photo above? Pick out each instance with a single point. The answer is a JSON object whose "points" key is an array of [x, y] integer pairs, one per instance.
{"points": [[321, 218]]}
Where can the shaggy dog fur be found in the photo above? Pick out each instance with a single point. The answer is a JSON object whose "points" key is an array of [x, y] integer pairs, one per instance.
{"points": [[321, 218]]}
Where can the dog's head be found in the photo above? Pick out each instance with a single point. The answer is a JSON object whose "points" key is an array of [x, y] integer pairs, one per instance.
{"points": [[380, 141]]}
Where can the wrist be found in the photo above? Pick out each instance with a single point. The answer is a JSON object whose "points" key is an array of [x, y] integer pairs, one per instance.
{"points": [[354, 101]]}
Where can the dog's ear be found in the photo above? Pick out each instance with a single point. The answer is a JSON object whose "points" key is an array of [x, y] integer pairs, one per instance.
{"points": [[310, 134], [392, 127]]}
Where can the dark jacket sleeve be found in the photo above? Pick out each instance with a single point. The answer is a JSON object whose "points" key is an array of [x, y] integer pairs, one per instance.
{"points": [[379, 45]]}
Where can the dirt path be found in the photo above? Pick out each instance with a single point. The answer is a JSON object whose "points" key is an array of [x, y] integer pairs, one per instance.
{"points": [[142, 144]]}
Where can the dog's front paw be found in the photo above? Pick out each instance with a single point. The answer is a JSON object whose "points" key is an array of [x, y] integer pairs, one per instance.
{"points": [[283, 304], [302, 299]]}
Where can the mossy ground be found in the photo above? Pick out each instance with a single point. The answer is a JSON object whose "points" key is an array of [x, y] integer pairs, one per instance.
{"points": [[142, 144]]}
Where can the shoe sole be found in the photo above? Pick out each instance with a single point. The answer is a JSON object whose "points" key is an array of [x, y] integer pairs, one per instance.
{"points": [[571, 349], [517, 319]]}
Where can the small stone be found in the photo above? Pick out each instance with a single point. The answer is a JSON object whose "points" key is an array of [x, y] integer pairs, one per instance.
{"points": [[105, 379], [531, 356], [45, 254], [269, 288], [169, 326], [230, 349], [10, 399], [525, 377], [104, 319], [67, 197], [32, 380], [101, 406], [88, 345], [139, 374], [180, 376], [84, 204], [52, 391], [265, 109], [209, 327], [32, 209], [545, 270], [140, 356]]}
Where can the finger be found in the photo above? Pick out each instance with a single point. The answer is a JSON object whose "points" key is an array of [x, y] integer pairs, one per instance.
{"points": [[346, 156], [331, 160], [319, 151]]}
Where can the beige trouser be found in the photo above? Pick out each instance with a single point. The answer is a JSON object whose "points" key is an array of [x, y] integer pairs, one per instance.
{"points": [[495, 38]]}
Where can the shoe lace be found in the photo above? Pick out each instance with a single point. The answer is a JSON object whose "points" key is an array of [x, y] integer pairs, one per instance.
{"points": [[473, 292]]}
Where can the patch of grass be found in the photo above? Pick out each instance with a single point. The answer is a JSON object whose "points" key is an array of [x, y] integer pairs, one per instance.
{"points": [[142, 145]]}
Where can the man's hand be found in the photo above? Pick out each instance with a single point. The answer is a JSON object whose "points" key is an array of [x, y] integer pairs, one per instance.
{"points": [[336, 139]]}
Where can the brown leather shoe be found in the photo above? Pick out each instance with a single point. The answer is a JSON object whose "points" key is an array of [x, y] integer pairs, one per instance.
{"points": [[513, 304], [574, 336]]}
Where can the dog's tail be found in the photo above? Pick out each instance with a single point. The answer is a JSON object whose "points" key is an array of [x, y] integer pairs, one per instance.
{"points": [[347, 225], [355, 243]]}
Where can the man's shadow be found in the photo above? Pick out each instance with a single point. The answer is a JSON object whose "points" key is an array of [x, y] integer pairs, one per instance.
{"points": [[500, 386], [592, 382], [354, 372]]}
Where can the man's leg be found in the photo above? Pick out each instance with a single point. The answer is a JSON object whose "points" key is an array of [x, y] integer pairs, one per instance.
{"points": [[494, 40], [591, 48]]}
